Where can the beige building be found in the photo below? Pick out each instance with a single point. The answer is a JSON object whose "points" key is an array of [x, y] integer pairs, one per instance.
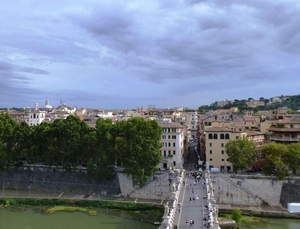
{"points": [[215, 140]]}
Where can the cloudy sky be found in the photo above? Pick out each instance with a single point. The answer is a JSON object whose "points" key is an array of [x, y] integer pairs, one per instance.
{"points": [[162, 53]]}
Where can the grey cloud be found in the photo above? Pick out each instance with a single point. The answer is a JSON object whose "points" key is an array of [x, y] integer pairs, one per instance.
{"points": [[14, 81]]}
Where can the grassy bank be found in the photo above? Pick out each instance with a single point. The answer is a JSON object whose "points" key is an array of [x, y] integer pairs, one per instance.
{"points": [[139, 211], [247, 221]]}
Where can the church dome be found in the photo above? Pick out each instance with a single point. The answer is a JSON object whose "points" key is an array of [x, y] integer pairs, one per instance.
{"points": [[47, 105]]}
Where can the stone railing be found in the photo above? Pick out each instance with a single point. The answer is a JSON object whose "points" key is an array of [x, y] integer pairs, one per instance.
{"points": [[171, 206], [211, 208]]}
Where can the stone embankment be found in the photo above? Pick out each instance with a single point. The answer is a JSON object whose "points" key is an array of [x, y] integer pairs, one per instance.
{"points": [[256, 191], [46, 179]]}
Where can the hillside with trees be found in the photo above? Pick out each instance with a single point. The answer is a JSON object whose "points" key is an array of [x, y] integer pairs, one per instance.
{"points": [[292, 102]]}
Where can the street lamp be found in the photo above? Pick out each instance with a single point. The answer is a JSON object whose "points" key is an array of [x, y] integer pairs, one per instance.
{"points": [[29, 189], [3, 185]]}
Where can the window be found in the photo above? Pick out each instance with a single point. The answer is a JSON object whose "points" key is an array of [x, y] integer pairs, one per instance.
{"points": [[165, 153], [170, 152], [210, 136], [174, 144], [222, 159], [222, 144], [169, 136], [210, 151], [174, 130], [222, 152], [174, 152], [210, 159], [164, 137], [210, 144], [226, 136], [173, 136], [169, 144], [164, 130], [215, 136], [174, 163], [222, 136]]}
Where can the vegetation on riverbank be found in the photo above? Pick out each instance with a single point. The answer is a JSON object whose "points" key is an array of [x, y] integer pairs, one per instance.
{"points": [[139, 211], [244, 220], [70, 209]]}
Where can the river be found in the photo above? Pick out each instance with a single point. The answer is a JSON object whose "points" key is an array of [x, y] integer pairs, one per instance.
{"points": [[32, 218], [274, 223]]}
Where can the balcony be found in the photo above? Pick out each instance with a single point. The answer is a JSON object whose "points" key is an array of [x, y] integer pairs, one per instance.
{"points": [[284, 139]]}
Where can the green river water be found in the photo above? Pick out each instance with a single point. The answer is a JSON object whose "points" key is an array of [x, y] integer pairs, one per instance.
{"points": [[32, 218], [275, 223]]}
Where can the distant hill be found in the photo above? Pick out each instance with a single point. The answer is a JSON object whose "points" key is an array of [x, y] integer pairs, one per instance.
{"points": [[290, 101]]}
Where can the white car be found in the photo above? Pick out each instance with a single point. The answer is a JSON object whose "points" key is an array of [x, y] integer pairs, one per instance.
{"points": [[200, 170]]}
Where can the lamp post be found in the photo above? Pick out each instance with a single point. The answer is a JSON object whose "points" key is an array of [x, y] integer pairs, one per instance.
{"points": [[3, 184], [29, 189]]}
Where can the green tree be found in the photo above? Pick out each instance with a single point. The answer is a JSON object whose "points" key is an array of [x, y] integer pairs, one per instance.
{"points": [[22, 140], [68, 135], [274, 156], [38, 144], [8, 128], [293, 157], [241, 153], [236, 215], [102, 152], [138, 148]]}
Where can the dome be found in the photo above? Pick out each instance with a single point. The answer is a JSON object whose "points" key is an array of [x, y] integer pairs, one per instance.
{"points": [[47, 105]]}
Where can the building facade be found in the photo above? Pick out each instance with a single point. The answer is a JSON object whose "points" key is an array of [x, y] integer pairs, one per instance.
{"points": [[215, 140], [36, 116], [173, 145]]}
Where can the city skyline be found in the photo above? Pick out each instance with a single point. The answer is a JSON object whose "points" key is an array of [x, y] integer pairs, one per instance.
{"points": [[129, 54]]}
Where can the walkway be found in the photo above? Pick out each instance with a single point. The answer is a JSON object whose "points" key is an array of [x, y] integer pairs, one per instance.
{"points": [[191, 209]]}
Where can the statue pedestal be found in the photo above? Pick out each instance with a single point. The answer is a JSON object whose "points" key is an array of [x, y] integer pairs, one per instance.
{"points": [[165, 223]]}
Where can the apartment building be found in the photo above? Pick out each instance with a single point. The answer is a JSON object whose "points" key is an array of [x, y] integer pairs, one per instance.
{"points": [[285, 130], [260, 139], [215, 140], [193, 121], [173, 145], [255, 103]]}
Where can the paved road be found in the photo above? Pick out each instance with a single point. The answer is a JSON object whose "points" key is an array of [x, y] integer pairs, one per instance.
{"points": [[191, 209]]}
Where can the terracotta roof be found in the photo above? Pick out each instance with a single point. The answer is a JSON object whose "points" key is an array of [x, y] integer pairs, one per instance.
{"points": [[170, 125], [218, 129], [251, 133]]}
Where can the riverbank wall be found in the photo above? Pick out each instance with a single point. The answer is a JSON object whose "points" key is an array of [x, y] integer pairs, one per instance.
{"points": [[47, 179], [256, 190]]}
